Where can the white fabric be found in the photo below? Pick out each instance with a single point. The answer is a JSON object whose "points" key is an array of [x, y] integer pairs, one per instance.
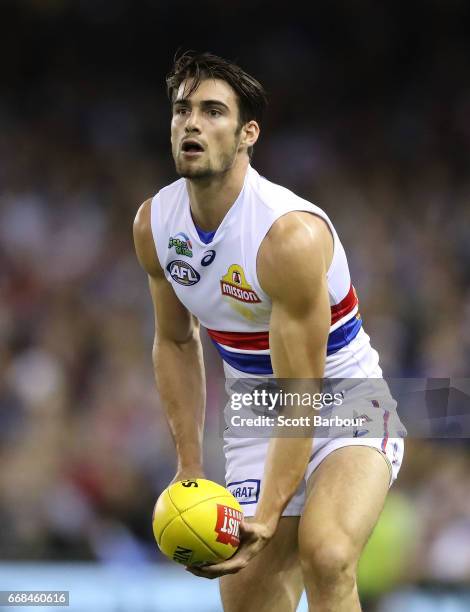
{"points": [[236, 242]]}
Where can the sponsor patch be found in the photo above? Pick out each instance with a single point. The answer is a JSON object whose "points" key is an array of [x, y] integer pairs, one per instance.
{"points": [[182, 244], [245, 491], [234, 284], [227, 526], [181, 272]]}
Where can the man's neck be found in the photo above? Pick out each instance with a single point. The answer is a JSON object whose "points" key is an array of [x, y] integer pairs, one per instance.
{"points": [[211, 200]]}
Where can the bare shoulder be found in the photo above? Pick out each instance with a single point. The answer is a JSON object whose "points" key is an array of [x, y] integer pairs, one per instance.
{"points": [[295, 254], [143, 240]]}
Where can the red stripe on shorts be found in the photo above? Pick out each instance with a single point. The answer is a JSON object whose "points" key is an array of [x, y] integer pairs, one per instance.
{"points": [[385, 438]]}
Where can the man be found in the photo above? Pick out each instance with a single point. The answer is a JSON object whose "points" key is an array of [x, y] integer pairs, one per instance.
{"points": [[264, 271]]}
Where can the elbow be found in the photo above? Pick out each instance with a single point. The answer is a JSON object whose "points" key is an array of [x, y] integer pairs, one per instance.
{"points": [[179, 342]]}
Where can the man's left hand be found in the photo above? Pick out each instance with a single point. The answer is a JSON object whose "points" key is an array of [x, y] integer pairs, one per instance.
{"points": [[253, 538]]}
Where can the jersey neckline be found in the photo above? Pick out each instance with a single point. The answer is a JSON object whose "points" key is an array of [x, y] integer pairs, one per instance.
{"points": [[218, 233], [206, 237]]}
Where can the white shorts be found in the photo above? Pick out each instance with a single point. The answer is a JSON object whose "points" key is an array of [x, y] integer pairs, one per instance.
{"points": [[369, 396], [245, 467]]}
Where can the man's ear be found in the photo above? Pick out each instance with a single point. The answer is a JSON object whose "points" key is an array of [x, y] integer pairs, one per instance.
{"points": [[250, 133]]}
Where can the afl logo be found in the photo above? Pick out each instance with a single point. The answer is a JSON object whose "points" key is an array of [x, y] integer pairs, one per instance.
{"points": [[181, 272]]}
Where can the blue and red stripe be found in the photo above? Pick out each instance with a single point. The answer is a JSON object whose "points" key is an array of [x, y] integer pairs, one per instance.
{"points": [[251, 363], [243, 341], [347, 304], [256, 363], [232, 345]]}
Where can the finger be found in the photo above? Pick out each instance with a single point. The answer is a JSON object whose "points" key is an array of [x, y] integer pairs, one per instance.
{"points": [[247, 530], [244, 530], [199, 573], [212, 574], [199, 569], [228, 567]]}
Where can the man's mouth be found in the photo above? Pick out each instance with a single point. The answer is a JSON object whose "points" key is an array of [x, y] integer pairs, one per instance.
{"points": [[191, 148]]}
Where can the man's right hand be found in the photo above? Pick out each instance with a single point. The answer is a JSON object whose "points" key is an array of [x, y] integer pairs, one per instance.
{"points": [[188, 473]]}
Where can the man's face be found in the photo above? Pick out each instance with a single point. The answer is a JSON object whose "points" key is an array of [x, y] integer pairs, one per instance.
{"points": [[205, 132]]}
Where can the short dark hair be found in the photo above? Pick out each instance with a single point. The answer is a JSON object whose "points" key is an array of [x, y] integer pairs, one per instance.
{"points": [[251, 95]]}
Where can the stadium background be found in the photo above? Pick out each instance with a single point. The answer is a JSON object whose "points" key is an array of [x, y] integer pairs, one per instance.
{"points": [[369, 117]]}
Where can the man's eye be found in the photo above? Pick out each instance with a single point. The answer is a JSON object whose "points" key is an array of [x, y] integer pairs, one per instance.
{"points": [[213, 112], [181, 111]]}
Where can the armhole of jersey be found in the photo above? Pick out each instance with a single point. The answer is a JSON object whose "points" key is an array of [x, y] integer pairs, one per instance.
{"points": [[333, 233], [336, 251], [336, 245], [155, 220]]}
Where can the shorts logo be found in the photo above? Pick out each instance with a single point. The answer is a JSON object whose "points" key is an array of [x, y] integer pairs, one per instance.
{"points": [[184, 274], [228, 525], [245, 491], [235, 285], [182, 244]]}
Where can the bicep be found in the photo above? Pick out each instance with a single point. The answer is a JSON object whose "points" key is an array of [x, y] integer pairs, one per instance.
{"points": [[298, 332], [172, 320], [292, 268]]}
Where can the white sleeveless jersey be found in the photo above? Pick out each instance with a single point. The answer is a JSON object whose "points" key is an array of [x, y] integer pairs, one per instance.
{"points": [[218, 282]]}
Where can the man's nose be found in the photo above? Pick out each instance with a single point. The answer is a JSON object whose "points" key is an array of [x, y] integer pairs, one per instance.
{"points": [[192, 123]]}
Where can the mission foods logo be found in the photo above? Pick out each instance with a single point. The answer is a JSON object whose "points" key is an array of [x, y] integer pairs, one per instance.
{"points": [[182, 273], [235, 285], [182, 244], [228, 525]]}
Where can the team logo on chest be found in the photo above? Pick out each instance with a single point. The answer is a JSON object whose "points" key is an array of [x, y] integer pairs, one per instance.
{"points": [[182, 244], [182, 273], [234, 284]]}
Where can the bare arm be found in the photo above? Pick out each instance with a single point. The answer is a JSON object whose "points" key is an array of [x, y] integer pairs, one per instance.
{"points": [[177, 356], [292, 264]]}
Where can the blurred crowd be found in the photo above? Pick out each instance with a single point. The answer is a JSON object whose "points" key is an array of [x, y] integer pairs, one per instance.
{"points": [[84, 447]]}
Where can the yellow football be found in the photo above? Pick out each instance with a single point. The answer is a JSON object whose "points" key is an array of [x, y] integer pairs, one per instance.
{"points": [[196, 521]]}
